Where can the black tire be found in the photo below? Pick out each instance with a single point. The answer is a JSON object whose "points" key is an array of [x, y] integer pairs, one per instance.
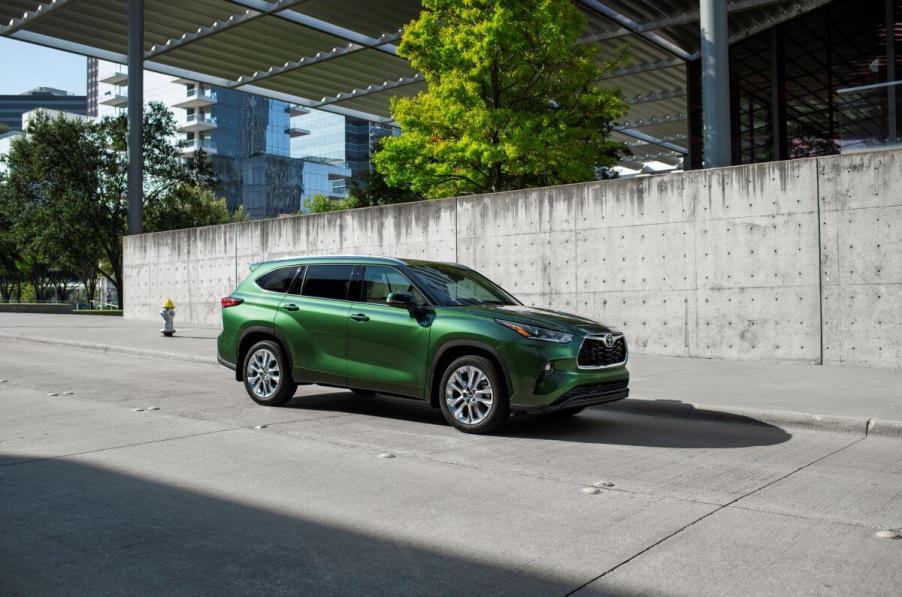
{"points": [[284, 387], [568, 412], [360, 392], [499, 410]]}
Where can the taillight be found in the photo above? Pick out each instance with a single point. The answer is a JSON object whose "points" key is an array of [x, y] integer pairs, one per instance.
{"points": [[230, 301]]}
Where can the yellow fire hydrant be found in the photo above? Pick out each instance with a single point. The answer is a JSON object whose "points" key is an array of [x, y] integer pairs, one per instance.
{"points": [[168, 315]]}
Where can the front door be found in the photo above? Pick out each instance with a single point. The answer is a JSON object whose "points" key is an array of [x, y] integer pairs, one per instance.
{"points": [[387, 346], [313, 318]]}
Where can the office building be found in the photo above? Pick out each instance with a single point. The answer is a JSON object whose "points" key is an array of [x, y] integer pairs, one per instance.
{"points": [[246, 138], [13, 106]]}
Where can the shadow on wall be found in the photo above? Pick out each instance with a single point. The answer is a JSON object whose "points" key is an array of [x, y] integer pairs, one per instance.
{"points": [[626, 423]]}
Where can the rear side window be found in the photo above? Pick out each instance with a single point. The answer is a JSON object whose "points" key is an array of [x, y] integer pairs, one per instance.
{"points": [[327, 281], [278, 280]]}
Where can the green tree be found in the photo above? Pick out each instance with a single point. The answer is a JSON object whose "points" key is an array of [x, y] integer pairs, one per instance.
{"points": [[65, 195], [373, 190], [319, 204], [513, 101]]}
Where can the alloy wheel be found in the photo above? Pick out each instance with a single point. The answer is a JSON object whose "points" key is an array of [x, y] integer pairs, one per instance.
{"points": [[263, 373], [469, 395]]}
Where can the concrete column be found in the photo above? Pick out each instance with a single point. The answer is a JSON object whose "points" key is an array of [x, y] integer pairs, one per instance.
{"points": [[715, 57], [135, 116]]}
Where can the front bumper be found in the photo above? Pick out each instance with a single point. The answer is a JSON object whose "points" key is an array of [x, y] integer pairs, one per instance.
{"points": [[581, 397], [567, 385]]}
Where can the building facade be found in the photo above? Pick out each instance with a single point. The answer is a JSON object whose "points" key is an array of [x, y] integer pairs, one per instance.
{"points": [[822, 83], [332, 138], [248, 139], [12, 107]]}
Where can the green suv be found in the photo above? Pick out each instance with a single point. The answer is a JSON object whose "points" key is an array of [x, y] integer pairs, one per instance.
{"points": [[438, 332]]}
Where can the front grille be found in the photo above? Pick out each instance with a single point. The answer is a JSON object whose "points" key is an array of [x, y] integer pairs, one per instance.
{"points": [[594, 352]]}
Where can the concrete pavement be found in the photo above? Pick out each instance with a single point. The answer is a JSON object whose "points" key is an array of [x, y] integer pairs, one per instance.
{"points": [[827, 397], [214, 494]]}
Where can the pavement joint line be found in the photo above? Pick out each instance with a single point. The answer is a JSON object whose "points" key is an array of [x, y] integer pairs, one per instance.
{"points": [[119, 447], [709, 514]]}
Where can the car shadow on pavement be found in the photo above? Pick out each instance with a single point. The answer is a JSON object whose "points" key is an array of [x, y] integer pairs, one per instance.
{"points": [[74, 528], [628, 423]]}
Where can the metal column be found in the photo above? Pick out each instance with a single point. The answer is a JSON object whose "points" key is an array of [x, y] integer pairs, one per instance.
{"points": [[715, 66], [891, 125], [135, 116]]}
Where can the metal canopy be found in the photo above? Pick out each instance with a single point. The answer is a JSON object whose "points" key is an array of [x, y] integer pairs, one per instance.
{"points": [[340, 55]]}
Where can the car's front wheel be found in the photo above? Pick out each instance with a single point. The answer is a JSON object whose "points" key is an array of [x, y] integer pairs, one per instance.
{"points": [[267, 377], [472, 395]]}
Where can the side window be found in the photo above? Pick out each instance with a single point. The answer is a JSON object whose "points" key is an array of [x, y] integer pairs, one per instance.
{"points": [[278, 280], [379, 281], [327, 281], [296, 285]]}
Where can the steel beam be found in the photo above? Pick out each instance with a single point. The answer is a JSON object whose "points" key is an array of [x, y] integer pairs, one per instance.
{"points": [[220, 26], [655, 97], [135, 116], [631, 25], [891, 122], [715, 46], [641, 68], [320, 25], [34, 16], [165, 69], [653, 140], [355, 93], [310, 60]]}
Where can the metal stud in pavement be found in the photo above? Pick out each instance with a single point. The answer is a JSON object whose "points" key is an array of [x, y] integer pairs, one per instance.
{"points": [[888, 534], [153, 408], [261, 427], [603, 484], [137, 410], [386, 455], [53, 394], [591, 490]]}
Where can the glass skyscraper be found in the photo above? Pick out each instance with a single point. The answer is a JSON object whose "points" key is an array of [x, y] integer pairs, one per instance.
{"points": [[248, 139]]}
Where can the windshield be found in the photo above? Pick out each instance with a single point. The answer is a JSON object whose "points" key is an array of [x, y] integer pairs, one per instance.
{"points": [[451, 285]]}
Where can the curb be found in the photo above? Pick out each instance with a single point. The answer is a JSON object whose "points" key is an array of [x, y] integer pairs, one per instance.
{"points": [[160, 355], [864, 426]]}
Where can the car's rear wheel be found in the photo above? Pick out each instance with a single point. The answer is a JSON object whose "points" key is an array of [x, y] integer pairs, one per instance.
{"points": [[472, 395], [267, 377]]}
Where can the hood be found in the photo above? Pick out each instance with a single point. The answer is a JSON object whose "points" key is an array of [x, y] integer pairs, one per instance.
{"points": [[546, 318]]}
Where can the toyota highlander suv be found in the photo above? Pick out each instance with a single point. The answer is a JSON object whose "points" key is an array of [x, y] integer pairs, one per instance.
{"points": [[438, 332]]}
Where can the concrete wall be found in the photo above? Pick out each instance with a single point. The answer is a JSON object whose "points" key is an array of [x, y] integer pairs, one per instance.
{"points": [[731, 262]]}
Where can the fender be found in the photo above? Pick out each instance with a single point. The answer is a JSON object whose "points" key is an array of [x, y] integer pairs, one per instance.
{"points": [[269, 330], [468, 344]]}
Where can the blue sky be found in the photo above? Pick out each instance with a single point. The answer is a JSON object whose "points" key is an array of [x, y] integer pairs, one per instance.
{"points": [[24, 66]]}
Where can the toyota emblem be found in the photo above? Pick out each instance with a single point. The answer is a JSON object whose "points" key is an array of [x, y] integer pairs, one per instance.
{"points": [[609, 340]]}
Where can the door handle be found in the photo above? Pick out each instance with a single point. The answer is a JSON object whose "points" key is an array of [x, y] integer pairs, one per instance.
{"points": [[359, 317], [290, 307]]}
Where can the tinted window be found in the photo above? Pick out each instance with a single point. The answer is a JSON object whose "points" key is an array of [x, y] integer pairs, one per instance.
{"points": [[454, 286], [327, 281], [380, 281], [278, 280]]}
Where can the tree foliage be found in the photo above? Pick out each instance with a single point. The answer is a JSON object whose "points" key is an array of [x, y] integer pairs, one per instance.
{"points": [[64, 198], [513, 101]]}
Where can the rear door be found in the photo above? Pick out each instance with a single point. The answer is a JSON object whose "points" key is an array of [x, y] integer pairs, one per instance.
{"points": [[313, 318], [387, 346]]}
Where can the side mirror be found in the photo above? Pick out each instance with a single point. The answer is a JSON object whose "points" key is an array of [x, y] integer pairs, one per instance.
{"points": [[402, 300]]}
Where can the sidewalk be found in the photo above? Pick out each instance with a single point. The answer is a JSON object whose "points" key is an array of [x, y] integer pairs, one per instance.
{"points": [[837, 398]]}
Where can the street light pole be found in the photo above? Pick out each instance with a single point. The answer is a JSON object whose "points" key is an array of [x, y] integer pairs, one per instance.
{"points": [[135, 116]]}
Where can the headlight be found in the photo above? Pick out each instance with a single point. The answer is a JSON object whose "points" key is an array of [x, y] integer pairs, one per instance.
{"points": [[534, 333]]}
